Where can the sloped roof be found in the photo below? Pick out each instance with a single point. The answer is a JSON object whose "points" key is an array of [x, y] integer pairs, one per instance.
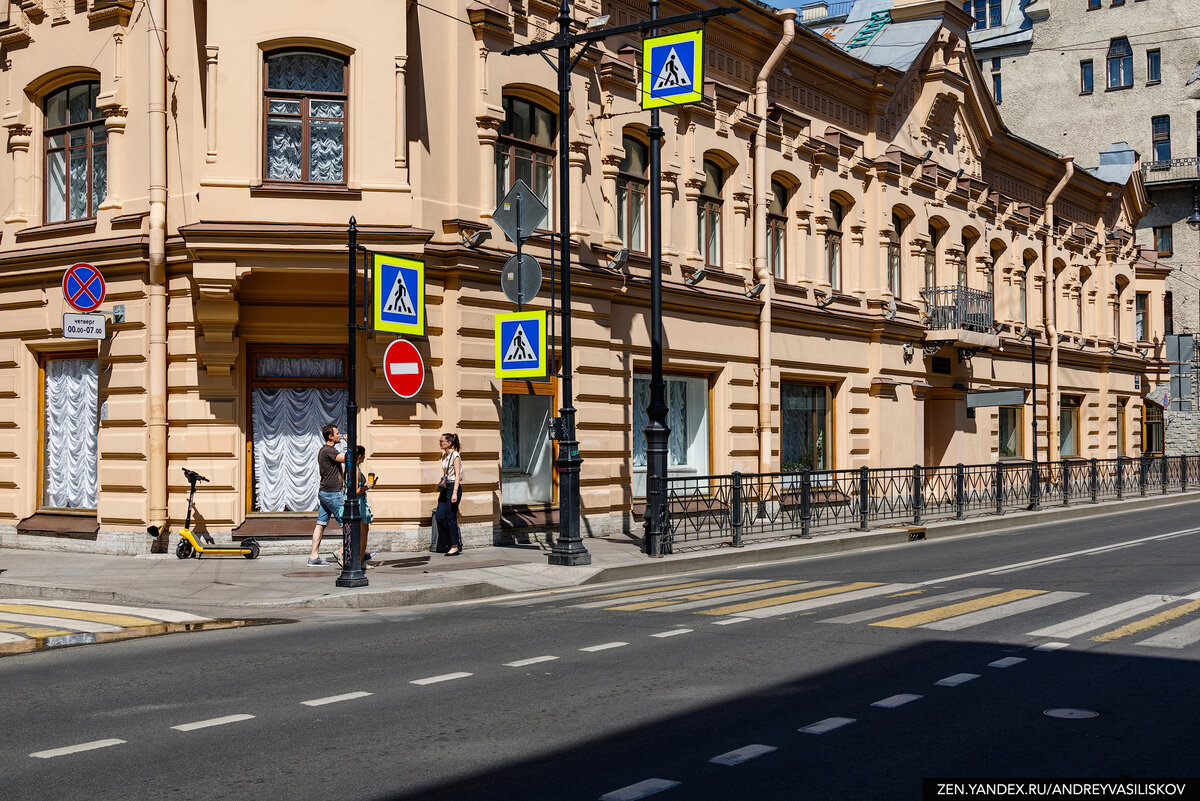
{"points": [[896, 45]]}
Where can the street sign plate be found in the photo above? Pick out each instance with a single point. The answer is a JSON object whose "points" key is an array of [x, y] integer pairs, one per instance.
{"points": [[521, 344], [673, 69], [996, 397], [523, 288], [84, 326], [83, 287], [403, 368], [531, 215], [398, 299]]}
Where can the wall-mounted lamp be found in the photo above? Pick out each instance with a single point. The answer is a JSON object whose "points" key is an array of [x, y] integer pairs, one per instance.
{"points": [[1064, 337], [696, 277], [597, 22], [477, 238], [997, 328], [1083, 343], [617, 261], [756, 290], [1116, 346], [928, 155], [825, 301], [1028, 332]]}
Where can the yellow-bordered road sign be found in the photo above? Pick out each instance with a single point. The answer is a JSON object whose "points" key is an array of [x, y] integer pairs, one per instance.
{"points": [[398, 299], [673, 69], [521, 344]]}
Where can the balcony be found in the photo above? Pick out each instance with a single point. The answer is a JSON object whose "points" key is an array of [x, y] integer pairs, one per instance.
{"points": [[959, 317], [1174, 171]]}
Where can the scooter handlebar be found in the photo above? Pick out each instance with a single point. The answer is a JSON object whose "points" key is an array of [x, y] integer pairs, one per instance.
{"points": [[192, 476]]}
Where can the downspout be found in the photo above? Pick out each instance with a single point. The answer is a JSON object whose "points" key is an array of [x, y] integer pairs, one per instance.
{"points": [[761, 270], [156, 286], [1050, 310]]}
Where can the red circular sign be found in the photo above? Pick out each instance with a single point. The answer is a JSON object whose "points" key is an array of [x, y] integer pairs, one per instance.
{"points": [[403, 368], [83, 287]]}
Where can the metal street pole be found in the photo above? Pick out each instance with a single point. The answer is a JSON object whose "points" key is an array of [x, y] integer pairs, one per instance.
{"points": [[352, 571], [1035, 484], [657, 432]]}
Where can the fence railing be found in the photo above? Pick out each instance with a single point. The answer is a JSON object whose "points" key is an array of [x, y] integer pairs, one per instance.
{"points": [[959, 307], [703, 511], [1157, 172]]}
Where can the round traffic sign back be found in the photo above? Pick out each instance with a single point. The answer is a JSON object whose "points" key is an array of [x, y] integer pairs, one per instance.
{"points": [[403, 368], [83, 287]]}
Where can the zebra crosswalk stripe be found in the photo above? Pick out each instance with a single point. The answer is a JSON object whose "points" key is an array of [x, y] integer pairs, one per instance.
{"points": [[613, 601], [1005, 610], [836, 595], [692, 605], [1105, 617], [1148, 622], [953, 610], [908, 606], [1177, 637], [702, 597]]}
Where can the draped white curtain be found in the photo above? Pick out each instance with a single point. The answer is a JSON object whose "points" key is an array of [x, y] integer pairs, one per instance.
{"points": [[72, 394], [287, 435]]}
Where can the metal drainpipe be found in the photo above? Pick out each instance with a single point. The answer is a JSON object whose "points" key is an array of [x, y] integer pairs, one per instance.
{"points": [[761, 270], [156, 280], [1050, 309]]}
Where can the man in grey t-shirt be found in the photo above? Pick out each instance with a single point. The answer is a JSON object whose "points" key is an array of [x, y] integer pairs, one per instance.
{"points": [[329, 495]]}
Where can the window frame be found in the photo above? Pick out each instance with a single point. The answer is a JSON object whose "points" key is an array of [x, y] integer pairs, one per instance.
{"points": [[1152, 421], [1160, 136], [828, 451], [89, 146], [997, 88], [1087, 77], [709, 218], [1160, 240], [1168, 313], [1069, 406], [1153, 66], [777, 231], [305, 118], [536, 388], [895, 255], [1141, 316], [1019, 429], [1119, 53], [1122, 425], [40, 503], [643, 373], [833, 245], [508, 146], [630, 185]]}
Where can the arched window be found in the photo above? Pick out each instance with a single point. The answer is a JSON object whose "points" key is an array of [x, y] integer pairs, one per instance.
{"points": [[1026, 280], [525, 149], [931, 254], [777, 230], [76, 153], [710, 214], [1120, 64], [305, 101], [833, 246], [631, 194], [896, 253], [1116, 313]]}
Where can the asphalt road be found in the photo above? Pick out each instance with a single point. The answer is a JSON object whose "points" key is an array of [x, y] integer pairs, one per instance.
{"points": [[607, 690]]}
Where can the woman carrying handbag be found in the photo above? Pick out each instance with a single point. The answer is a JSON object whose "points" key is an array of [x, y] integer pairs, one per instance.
{"points": [[450, 491]]}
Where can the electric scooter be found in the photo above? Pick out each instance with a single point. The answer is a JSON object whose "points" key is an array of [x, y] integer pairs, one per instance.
{"points": [[190, 546]]}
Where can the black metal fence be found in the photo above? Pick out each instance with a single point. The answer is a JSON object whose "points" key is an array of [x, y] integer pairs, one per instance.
{"points": [[704, 511], [959, 307]]}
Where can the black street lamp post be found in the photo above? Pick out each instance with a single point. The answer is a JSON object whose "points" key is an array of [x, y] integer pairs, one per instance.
{"points": [[352, 571], [1035, 483]]}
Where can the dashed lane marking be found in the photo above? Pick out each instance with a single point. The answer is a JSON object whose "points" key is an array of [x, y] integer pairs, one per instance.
{"points": [[1052, 646], [956, 679], [531, 661], [729, 621], [75, 749], [827, 725], [672, 633], [743, 754], [333, 699], [1007, 661], [640, 790], [204, 724], [893, 701], [604, 646], [444, 677]]}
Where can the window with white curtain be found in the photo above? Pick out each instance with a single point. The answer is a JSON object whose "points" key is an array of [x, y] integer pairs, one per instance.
{"points": [[687, 417], [305, 127], [76, 148], [526, 458], [71, 398], [291, 399]]}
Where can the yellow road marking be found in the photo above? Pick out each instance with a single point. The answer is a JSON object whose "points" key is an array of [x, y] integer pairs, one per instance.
{"points": [[786, 599], [78, 614], [699, 596], [648, 590], [25, 630], [1147, 623], [953, 610]]}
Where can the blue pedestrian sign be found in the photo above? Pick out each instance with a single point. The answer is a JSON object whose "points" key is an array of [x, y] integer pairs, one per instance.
{"points": [[673, 69], [521, 345], [398, 299]]}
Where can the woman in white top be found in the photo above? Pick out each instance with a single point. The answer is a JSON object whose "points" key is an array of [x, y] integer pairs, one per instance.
{"points": [[450, 491]]}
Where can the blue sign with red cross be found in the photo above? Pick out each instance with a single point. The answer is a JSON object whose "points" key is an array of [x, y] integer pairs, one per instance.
{"points": [[83, 287]]}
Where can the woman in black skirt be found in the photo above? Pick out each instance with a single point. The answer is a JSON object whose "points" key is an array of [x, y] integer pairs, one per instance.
{"points": [[450, 491]]}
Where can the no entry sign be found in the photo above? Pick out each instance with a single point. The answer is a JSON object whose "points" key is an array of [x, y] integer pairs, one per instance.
{"points": [[403, 368], [83, 287]]}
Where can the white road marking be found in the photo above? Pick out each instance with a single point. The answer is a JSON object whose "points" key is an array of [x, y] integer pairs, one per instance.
{"points": [[743, 754], [640, 790], [541, 596], [729, 621], [956, 679], [827, 600], [603, 647], [530, 661], [1052, 646], [166, 615], [960, 622], [741, 596], [59, 622], [444, 677], [908, 606], [204, 724], [1104, 617], [828, 724], [672, 633], [651, 595], [1029, 567], [1177, 637], [74, 749], [1057, 557], [333, 699], [1116, 548], [893, 701], [1007, 661]]}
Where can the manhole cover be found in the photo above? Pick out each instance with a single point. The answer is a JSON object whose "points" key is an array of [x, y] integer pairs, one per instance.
{"points": [[1071, 714]]}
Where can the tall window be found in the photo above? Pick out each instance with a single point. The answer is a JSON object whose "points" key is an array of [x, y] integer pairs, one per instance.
{"points": [[1160, 134], [1079, 311], [76, 153], [833, 246], [305, 103], [1141, 319], [710, 214], [895, 254], [1153, 66], [1010, 431], [1152, 429], [931, 255], [1121, 426], [69, 427], [1086, 83], [803, 434], [525, 149], [1023, 298], [631, 194], [1120, 64], [1168, 314], [1163, 241], [1116, 312], [1068, 425], [687, 445], [997, 88], [526, 458], [777, 230]]}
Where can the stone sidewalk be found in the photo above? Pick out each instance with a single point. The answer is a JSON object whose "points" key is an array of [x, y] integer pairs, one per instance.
{"points": [[272, 583]]}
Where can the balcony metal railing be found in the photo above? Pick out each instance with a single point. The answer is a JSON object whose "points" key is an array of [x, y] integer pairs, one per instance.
{"points": [[1175, 170], [959, 307]]}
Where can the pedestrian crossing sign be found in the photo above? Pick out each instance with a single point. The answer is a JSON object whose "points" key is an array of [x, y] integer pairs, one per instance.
{"points": [[398, 299], [673, 69], [521, 344]]}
